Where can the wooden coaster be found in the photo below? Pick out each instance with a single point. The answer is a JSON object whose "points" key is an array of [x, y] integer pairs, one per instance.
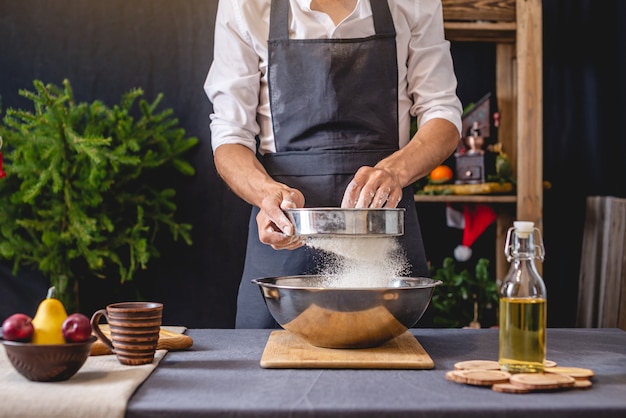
{"points": [[477, 365], [488, 373], [488, 365], [510, 388], [540, 381], [575, 372], [484, 377], [582, 384], [456, 376]]}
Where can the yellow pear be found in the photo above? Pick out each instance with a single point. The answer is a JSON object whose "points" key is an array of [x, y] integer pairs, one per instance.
{"points": [[48, 321]]}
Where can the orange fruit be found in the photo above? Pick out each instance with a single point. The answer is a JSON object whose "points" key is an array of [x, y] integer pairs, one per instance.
{"points": [[441, 174]]}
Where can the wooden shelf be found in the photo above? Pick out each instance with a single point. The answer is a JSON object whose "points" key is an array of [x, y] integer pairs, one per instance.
{"points": [[481, 31], [515, 26], [479, 10], [466, 198]]}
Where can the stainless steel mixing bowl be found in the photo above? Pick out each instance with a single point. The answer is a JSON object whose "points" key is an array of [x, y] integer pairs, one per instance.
{"points": [[353, 222], [346, 317]]}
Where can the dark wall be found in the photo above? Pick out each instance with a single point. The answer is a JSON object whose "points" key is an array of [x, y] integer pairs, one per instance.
{"points": [[584, 78], [106, 48]]}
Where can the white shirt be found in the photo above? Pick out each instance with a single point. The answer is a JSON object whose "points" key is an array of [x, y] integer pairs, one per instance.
{"points": [[237, 80]]}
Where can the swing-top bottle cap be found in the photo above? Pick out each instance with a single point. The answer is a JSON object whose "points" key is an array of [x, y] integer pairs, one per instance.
{"points": [[524, 226]]}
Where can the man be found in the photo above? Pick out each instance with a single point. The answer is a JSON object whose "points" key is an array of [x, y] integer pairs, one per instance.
{"points": [[312, 106]]}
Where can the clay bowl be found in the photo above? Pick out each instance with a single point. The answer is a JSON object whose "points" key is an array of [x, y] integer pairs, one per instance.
{"points": [[346, 317], [48, 362]]}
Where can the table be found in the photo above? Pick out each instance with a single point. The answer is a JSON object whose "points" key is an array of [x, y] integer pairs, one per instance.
{"points": [[221, 376]]}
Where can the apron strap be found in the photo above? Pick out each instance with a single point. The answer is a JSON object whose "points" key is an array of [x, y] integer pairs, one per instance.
{"points": [[279, 20], [383, 22]]}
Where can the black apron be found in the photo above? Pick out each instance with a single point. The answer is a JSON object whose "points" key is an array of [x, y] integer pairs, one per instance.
{"points": [[334, 105]]}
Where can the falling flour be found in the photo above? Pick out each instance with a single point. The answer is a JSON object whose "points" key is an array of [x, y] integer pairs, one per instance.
{"points": [[360, 261]]}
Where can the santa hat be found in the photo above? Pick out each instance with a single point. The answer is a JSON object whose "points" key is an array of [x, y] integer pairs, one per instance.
{"points": [[476, 219], [2, 172]]}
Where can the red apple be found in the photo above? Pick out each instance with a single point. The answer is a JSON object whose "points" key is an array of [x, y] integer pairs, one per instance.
{"points": [[18, 327], [76, 328]]}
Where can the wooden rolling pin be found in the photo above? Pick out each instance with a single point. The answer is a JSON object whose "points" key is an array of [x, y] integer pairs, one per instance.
{"points": [[168, 340]]}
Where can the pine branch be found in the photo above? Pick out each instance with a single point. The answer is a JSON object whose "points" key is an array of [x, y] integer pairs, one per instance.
{"points": [[84, 183]]}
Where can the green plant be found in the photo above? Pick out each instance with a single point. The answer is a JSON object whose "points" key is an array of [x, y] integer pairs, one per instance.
{"points": [[86, 190], [464, 299]]}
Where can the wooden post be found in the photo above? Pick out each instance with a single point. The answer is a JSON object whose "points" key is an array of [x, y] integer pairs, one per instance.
{"points": [[530, 112]]}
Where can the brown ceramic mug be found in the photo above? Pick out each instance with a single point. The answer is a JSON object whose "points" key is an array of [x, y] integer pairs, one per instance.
{"points": [[134, 329]]}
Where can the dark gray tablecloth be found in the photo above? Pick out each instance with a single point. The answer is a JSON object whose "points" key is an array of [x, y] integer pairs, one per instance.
{"points": [[221, 376]]}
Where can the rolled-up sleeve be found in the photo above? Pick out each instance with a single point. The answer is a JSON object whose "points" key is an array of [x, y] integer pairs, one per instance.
{"points": [[233, 82], [432, 82]]}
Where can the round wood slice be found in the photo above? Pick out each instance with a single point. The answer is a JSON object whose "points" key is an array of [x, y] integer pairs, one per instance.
{"points": [[540, 381], [455, 376], [477, 365], [575, 372], [510, 388], [484, 377], [582, 384], [549, 363]]}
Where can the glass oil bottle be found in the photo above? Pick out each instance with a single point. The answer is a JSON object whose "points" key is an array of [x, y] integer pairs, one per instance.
{"points": [[523, 299]]}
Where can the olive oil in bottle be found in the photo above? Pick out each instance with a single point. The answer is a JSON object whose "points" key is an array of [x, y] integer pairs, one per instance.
{"points": [[522, 311]]}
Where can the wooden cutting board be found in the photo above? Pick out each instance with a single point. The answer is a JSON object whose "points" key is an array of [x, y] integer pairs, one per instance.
{"points": [[285, 350], [170, 338]]}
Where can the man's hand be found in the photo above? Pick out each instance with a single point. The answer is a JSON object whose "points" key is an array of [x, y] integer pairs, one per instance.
{"points": [[274, 226], [245, 175], [372, 188], [381, 186]]}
